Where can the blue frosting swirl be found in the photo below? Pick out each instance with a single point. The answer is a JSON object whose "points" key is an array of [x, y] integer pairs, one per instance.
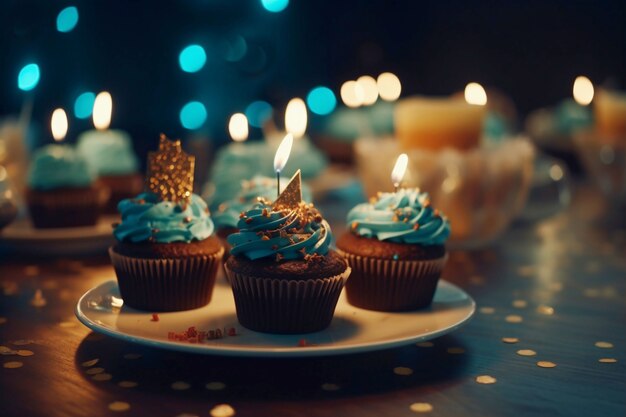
{"points": [[405, 216], [266, 231], [108, 152], [146, 218], [58, 166]]}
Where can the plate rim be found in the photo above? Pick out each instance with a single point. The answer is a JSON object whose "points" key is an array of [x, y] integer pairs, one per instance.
{"points": [[269, 352], [16, 235]]}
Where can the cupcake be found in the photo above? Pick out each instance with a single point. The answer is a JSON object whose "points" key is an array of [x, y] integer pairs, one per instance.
{"points": [[396, 250], [110, 155], [284, 277], [61, 190], [166, 256]]}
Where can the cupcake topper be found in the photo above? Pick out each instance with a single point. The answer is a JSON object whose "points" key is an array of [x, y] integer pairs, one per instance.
{"points": [[281, 157], [398, 171], [291, 196], [170, 172]]}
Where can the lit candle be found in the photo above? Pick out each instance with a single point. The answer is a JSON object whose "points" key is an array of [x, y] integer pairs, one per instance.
{"points": [[296, 118], [238, 130], [399, 169], [583, 90], [475, 94], [281, 157], [59, 124], [610, 114]]}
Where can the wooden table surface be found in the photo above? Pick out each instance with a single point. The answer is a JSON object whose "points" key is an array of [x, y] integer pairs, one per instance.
{"points": [[564, 278]]}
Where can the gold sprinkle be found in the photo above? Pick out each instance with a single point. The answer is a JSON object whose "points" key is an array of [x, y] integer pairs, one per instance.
{"points": [[4, 349], [94, 371], [180, 386], [607, 360], [90, 363], [68, 324], [421, 407], [119, 406], [38, 300], [13, 364], [604, 345], [545, 310], [510, 340], [127, 384], [3, 320], [402, 370], [455, 350], [425, 344], [132, 356], [9, 287], [520, 303], [31, 271], [215, 386], [526, 352], [23, 342], [102, 377], [485, 379], [222, 410], [24, 352], [546, 364], [330, 387], [487, 310], [514, 318]]}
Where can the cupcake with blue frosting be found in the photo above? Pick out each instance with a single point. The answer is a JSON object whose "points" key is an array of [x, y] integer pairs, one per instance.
{"points": [[396, 249]]}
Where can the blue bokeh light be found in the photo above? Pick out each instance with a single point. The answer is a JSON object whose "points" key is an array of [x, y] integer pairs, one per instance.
{"points": [[258, 112], [67, 19], [321, 100], [193, 115], [192, 58], [275, 6], [83, 106], [28, 77]]}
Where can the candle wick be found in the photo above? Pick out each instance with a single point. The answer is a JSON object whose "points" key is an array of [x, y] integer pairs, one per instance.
{"points": [[277, 183], [396, 185]]}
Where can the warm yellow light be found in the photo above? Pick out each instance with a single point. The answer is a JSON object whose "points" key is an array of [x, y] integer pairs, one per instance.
{"points": [[58, 124], [282, 153], [296, 117], [238, 127], [399, 169], [475, 94], [370, 89], [389, 86], [352, 94], [102, 109], [583, 90]]}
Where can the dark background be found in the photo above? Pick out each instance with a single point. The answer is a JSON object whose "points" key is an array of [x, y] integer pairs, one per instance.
{"points": [[532, 50]]}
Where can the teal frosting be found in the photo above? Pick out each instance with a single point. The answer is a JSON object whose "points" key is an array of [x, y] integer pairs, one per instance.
{"points": [[281, 234], [227, 213], [405, 216], [495, 126], [147, 218], [571, 116], [108, 152], [380, 116], [58, 166], [347, 125]]}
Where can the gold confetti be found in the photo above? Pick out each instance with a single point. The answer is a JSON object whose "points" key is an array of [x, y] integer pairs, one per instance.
{"points": [[9, 287], [170, 172], [485, 379], [215, 386], [90, 363], [38, 300], [510, 340], [526, 352], [487, 310], [23, 342], [545, 310], [330, 387], [3, 320], [402, 370], [68, 324], [127, 384], [455, 350], [421, 407], [514, 318], [24, 352], [607, 360], [102, 377], [604, 345], [94, 371], [31, 270], [520, 303], [132, 356], [50, 284], [222, 410], [5, 349], [180, 386], [546, 364], [13, 364], [119, 406], [425, 344]]}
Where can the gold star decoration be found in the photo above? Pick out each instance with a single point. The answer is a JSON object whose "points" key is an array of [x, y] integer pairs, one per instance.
{"points": [[291, 196], [170, 172]]}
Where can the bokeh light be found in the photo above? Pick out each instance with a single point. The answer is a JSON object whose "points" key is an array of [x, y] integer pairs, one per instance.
{"points": [[352, 94], [583, 90], [67, 19], [83, 105], [258, 112], [389, 87], [234, 49], [475, 94], [28, 77], [193, 115], [58, 124], [370, 89], [238, 127], [321, 100], [275, 6], [192, 58]]}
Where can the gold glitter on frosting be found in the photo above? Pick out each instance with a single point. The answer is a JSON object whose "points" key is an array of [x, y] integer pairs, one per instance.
{"points": [[170, 172], [291, 196]]}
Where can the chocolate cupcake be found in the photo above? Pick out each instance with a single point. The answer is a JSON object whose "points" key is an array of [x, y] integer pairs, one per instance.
{"points": [[283, 275], [166, 257], [396, 250]]}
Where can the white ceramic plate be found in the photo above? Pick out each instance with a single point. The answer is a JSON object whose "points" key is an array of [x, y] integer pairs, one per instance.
{"points": [[22, 236], [352, 329]]}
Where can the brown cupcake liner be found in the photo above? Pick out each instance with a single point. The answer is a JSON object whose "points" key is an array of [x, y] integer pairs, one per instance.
{"points": [[166, 284], [66, 208], [392, 285], [273, 305]]}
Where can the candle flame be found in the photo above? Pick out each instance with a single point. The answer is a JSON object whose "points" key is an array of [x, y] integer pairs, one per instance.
{"points": [[352, 94], [475, 94], [102, 109], [583, 90], [282, 153], [370, 89], [238, 127], [399, 169], [296, 117], [58, 124], [389, 87]]}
